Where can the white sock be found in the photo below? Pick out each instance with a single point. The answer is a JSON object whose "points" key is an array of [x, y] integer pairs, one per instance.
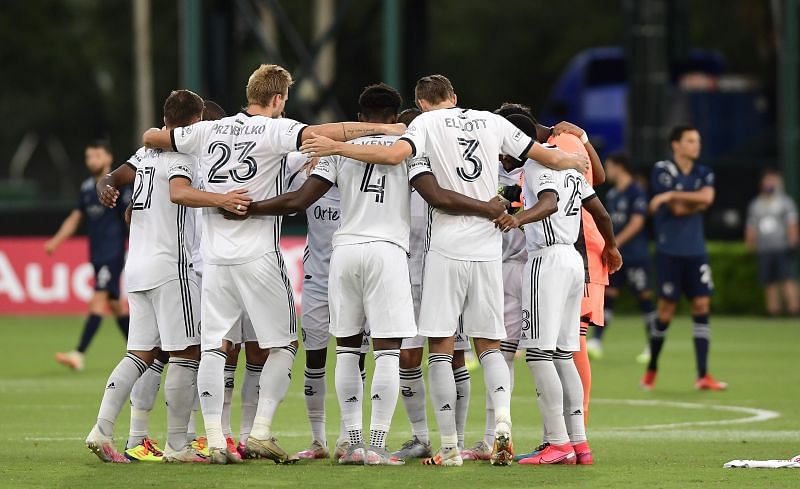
{"points": [[384, 391], [315, 390], [573, 395], [550, 396], [349, 391], [443, 396], [412, 388], [274, 382], [488, 434], [252, 375], [118, 390], [463, 391], [191, 430], [230, 375], [179, 395], [211, 389], [509, 350], [498, 384], [143, 398]]}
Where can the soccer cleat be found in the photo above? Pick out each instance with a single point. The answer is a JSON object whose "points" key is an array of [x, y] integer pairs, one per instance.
{"points": [[221, 456], [414, 448], [72, 359], [380, 456], [145, 451], [643, 358], [503, 450], [594, 348], [479, 451], [341, 449], [201, 445], [270, 449], [353, 455], [709, 383], [103, 447], [534, 452], [552, 455], [232, 449], [316, 451], [583, 454], [185, 455], [648, 382], [242, 450], [446, 458]]}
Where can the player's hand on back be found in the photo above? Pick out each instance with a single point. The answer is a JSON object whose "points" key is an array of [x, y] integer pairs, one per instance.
{"points": [[506, 222], [318, 146], [236, 202], [496, 207], [579, 162], [569, 128], [309, 165], [108, 195], [612, 259]]}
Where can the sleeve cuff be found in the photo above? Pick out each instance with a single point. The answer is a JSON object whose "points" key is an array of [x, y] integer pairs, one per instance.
{"points": [[300, 137], [411, 180], [133, 167], [587, 199], [320, 177], [172, 140], [524, 155], [413, 146], [539, 195], [180, 176]]}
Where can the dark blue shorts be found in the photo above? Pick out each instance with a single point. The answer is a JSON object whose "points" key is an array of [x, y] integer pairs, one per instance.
{"points": [[107, 276], [634, 274], [683, 275]]}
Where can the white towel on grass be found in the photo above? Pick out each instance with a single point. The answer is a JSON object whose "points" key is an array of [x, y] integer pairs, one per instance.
{"points": [[794, 463]]}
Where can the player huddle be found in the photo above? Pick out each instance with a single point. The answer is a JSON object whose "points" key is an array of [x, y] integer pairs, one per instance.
{"points": [[408, 240]]}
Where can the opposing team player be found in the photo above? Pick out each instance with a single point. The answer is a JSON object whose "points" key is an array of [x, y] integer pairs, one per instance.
{"points": [[463, 274], [368, 278], [627, 204], [107, 234], [162, 288], [554, 282], [682, 190], [244, 268]]}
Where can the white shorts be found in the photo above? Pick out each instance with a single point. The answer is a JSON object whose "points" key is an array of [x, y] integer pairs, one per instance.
{"points": [[261, 289], [242, 331], [167, 317], [553, 285], [470, 289], [369, 282], [512, 299], [316, 318]]}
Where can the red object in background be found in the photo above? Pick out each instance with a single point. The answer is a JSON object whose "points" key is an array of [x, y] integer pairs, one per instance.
{"points": [[31, 282]]}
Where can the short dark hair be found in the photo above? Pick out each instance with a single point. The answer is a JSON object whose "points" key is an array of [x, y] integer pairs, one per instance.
{"points": [[99, 144], [676, 133], [379, 101], [509, 108], [181, 107], [212, 111], [433, 89], [621, 158], [407, 116]]}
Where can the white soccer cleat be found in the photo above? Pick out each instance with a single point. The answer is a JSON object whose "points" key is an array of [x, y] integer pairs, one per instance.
{"points": [[270, 449], [479, 451], [72, 359], [414, 448], [340, 449], [380, 456], [503, 450], [103, 447], [354, 455], [446, 457], [185, 455], [315, 452]]}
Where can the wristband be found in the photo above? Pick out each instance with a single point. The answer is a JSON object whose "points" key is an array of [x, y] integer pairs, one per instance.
{"points": [[584, 138]]}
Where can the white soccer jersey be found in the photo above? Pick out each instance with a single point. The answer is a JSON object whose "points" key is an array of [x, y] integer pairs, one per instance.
{"points": [[514, 240], [323, 218], [161, 232], [561, 227], [196, 243], [418, 238], [375, 198], [241, 151], [460, 147]]}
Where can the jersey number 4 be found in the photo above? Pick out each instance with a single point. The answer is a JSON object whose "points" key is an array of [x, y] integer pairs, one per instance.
{"points": [[470, 146], [143, 192], [242, 173], [379, 187]]}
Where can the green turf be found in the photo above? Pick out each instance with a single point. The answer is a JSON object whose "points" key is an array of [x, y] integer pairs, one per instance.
{"points": [[47, 411]]}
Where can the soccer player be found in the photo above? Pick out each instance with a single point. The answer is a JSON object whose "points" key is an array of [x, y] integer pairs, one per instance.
{"points": [[682, 190], [107, 236], [368, 279], [162, 288], [554, 282], [463, 274], [243, 265], [627, 204]]}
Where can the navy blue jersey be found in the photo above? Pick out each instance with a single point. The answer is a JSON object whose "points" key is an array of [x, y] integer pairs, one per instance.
{"points": [[105, 227], [679, 236], [621, 206]]}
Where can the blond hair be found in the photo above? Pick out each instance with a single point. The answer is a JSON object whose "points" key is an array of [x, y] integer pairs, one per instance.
{"points": [[266, 82]]}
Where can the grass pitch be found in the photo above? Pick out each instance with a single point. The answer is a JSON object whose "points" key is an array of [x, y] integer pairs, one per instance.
{"points": [[672, 437]]}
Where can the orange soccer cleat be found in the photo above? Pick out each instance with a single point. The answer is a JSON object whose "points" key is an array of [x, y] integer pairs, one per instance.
{"points": [[709, 383]]}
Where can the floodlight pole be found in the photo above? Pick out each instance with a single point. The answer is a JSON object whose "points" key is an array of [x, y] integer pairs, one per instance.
{"points": [[191, 44], [391, 43], [143, 68], [788, 98]]}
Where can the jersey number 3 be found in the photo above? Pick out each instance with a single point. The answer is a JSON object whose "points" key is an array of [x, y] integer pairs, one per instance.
{"points": [[242, 173], [470, 146]]}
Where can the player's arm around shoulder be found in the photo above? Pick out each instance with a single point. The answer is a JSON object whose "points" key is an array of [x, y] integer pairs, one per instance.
{"points": [[541, 182], [321, 179], [108, 185]]}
